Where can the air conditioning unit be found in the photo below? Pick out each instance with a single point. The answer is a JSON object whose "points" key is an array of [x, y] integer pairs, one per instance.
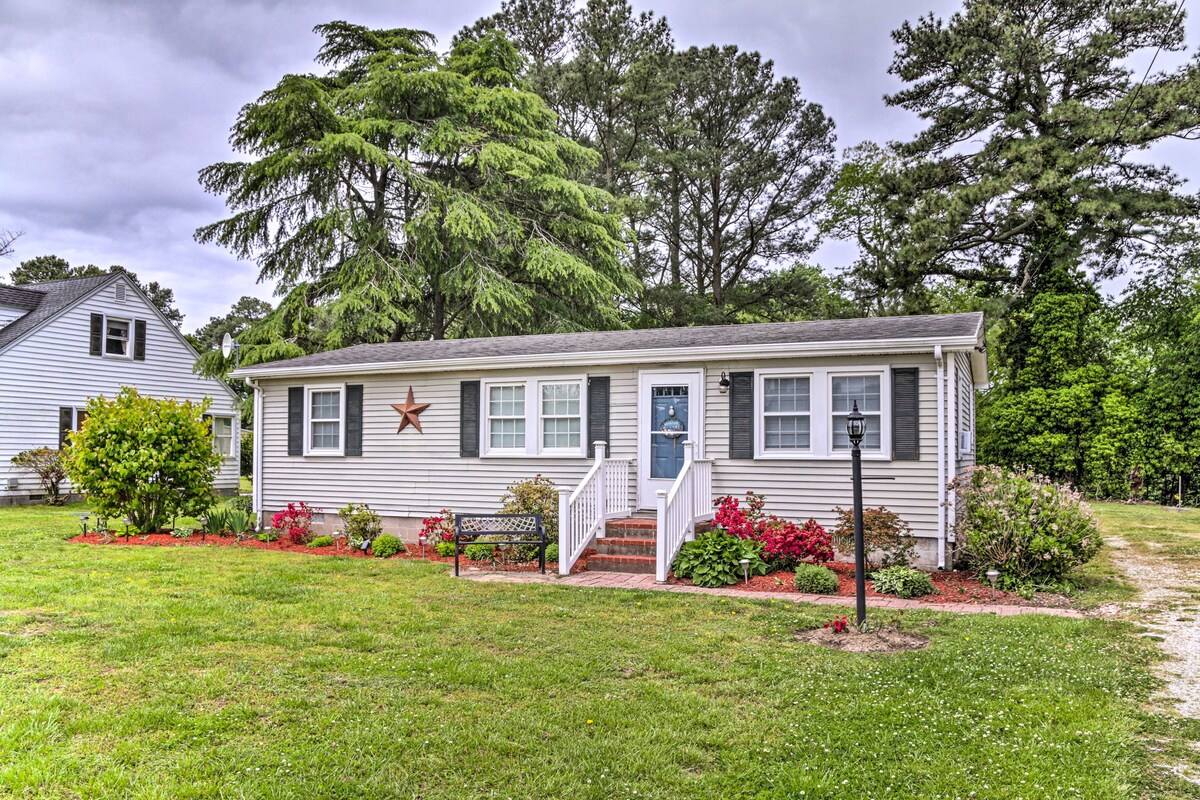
{"points": [[966, 442], [12, 483]]}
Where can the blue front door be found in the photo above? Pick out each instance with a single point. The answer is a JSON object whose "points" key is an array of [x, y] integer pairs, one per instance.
{"points": [[668, 430]]}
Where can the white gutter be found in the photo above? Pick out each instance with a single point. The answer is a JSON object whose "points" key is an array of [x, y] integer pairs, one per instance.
{"points": [[619, 357], [941, 455]]}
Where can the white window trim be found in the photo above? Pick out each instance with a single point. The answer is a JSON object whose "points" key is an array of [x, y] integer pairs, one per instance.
{"points": [[533, 418], [760, 412], [820, 412], [129, 323], [233, 434], [309, 450]]}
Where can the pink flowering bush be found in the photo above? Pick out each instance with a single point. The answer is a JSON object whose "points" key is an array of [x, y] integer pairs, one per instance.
{"points": [[294, 522], [784, 544], [439, 531], [1032, 530]]}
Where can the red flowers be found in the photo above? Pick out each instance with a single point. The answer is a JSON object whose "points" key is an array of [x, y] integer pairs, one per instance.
{"points": [[439, 528], [784, 543], [295, 521], [838, 624]]}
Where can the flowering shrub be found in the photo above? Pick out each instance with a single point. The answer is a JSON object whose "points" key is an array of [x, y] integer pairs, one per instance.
{"points": [[360, 523], [294, 522], [838, 624], [439, 531], [784, 543], [1031, 530], [884, 533]]}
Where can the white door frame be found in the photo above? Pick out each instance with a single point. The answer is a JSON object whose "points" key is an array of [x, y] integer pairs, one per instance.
{"points": [[647, 487]]}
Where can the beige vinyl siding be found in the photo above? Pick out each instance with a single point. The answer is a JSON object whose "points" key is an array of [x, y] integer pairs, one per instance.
{"points": [[413, 474], [51, 368]]}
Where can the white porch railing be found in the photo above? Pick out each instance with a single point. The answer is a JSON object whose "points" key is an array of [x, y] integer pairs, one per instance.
{"points": [[603, 494], [689, 500]]}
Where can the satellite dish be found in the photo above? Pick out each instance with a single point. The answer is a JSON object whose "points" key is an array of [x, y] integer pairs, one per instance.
{"points": [[226, 346]]}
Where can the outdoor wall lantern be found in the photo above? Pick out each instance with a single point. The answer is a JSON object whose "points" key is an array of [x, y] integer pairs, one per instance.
{"points": [[723, 384], [856, 429]]}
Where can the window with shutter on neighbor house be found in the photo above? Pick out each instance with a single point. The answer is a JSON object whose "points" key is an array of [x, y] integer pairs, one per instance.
{"points": [[222, 430], [116, 337]]}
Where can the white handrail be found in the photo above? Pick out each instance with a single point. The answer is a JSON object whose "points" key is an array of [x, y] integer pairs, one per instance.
{"points": [[689, 499], [602, 495]]}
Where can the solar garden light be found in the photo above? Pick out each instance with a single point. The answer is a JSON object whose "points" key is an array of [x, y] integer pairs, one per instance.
{"points": [[993, 575], [745, 562], [83, 523], [856, 429], [422, 538]]}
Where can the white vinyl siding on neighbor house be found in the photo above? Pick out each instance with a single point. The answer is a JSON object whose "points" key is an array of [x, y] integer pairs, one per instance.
{"points": [[9, 313], [51, 368], [412, 475]]}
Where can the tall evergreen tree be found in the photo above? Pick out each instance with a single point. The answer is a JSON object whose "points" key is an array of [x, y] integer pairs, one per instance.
{"points": [[415, 196]]}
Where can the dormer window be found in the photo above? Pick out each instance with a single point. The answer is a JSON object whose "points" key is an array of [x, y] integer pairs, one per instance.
{"points": [[116, 337]]}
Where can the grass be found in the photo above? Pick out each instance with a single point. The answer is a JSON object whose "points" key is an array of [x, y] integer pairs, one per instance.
{"points": [[192, 672]]}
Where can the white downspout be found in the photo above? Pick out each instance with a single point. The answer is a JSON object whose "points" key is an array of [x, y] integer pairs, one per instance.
{"points": [[941, 455], [256, 480]]}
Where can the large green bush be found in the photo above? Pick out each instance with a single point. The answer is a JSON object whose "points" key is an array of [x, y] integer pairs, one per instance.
{"points": [[1031, 530], [144, 458], [713, 559], [386, 545]]}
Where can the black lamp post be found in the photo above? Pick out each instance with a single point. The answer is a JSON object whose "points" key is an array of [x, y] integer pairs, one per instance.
{"points": [[856, 428]]}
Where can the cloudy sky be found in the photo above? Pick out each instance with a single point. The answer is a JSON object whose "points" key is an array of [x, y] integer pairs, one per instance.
{"points": [[109, 108]]}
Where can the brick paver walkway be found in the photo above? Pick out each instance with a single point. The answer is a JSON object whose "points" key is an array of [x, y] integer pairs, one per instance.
{"points": [[620, 580]]}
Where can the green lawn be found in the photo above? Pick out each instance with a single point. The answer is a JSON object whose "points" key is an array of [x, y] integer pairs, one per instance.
{"points": [[223, 672]]}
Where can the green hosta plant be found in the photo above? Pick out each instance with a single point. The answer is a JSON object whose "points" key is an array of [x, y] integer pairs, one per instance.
{"points": [[901, 581], [713, 559], [144, 458]]}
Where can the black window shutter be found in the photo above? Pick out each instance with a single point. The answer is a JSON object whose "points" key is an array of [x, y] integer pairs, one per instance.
{"points": [[96, 341], [468, 419], [139, 340], [597, 408], [906, 414], [741, 415], [65, 423], [295, 420], [354, 419]]}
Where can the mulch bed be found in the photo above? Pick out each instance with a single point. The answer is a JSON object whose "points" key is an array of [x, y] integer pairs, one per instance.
{"points": [[883, 640], [958, 586], [287, 546]]}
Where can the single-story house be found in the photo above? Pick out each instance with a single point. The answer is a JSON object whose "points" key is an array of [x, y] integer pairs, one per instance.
{"points": [[63, 342], [655, 421]]}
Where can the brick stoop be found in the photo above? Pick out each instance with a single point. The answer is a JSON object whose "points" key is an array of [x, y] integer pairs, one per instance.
{"points": [[630, 545]]}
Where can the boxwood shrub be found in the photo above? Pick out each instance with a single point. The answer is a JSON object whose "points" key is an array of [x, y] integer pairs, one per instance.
{"points": [[385, 545], [815, 579]]}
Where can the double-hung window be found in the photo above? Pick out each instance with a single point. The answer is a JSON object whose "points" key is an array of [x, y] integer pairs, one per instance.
{"points": [[116, 337], [561, 420], [326, 417], [506, 417], [866, 390], [222, 430], [534, 416], [787, 417]]}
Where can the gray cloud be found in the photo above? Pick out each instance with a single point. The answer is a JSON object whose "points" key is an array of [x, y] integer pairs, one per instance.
{"points": [[109, 109]]}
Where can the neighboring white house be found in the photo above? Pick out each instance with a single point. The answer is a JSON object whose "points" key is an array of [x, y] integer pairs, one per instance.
{"points": [[763, 405], [63, 342]]}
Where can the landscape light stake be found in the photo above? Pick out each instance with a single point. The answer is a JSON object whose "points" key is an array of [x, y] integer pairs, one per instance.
{"points": [[856, 428], [83, 522]]}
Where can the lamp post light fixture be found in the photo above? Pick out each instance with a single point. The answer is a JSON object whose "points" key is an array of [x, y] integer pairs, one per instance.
{"points": [[856, 429], [745, 562], [993, 575]]}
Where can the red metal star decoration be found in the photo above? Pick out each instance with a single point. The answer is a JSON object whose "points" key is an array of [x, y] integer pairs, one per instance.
{"points": [[409, 412]]}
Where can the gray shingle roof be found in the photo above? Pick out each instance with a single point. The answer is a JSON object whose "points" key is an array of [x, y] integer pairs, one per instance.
{"points": [[51, 298], [941, 326]]}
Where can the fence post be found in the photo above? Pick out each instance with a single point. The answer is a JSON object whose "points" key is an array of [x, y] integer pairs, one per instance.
{"points": [[602, 487], [660, 549], [689, 459], [564, 531]]}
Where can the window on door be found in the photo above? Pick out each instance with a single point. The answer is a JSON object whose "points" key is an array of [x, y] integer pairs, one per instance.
{"points": [[669, 416]]}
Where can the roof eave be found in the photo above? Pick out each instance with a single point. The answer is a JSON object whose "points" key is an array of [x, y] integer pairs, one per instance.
{"points": [[605, 358]]}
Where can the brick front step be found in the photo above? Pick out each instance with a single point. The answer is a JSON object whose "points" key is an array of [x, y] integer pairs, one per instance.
{"points": [[634, 527], [602, 562], [626, 546]]}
